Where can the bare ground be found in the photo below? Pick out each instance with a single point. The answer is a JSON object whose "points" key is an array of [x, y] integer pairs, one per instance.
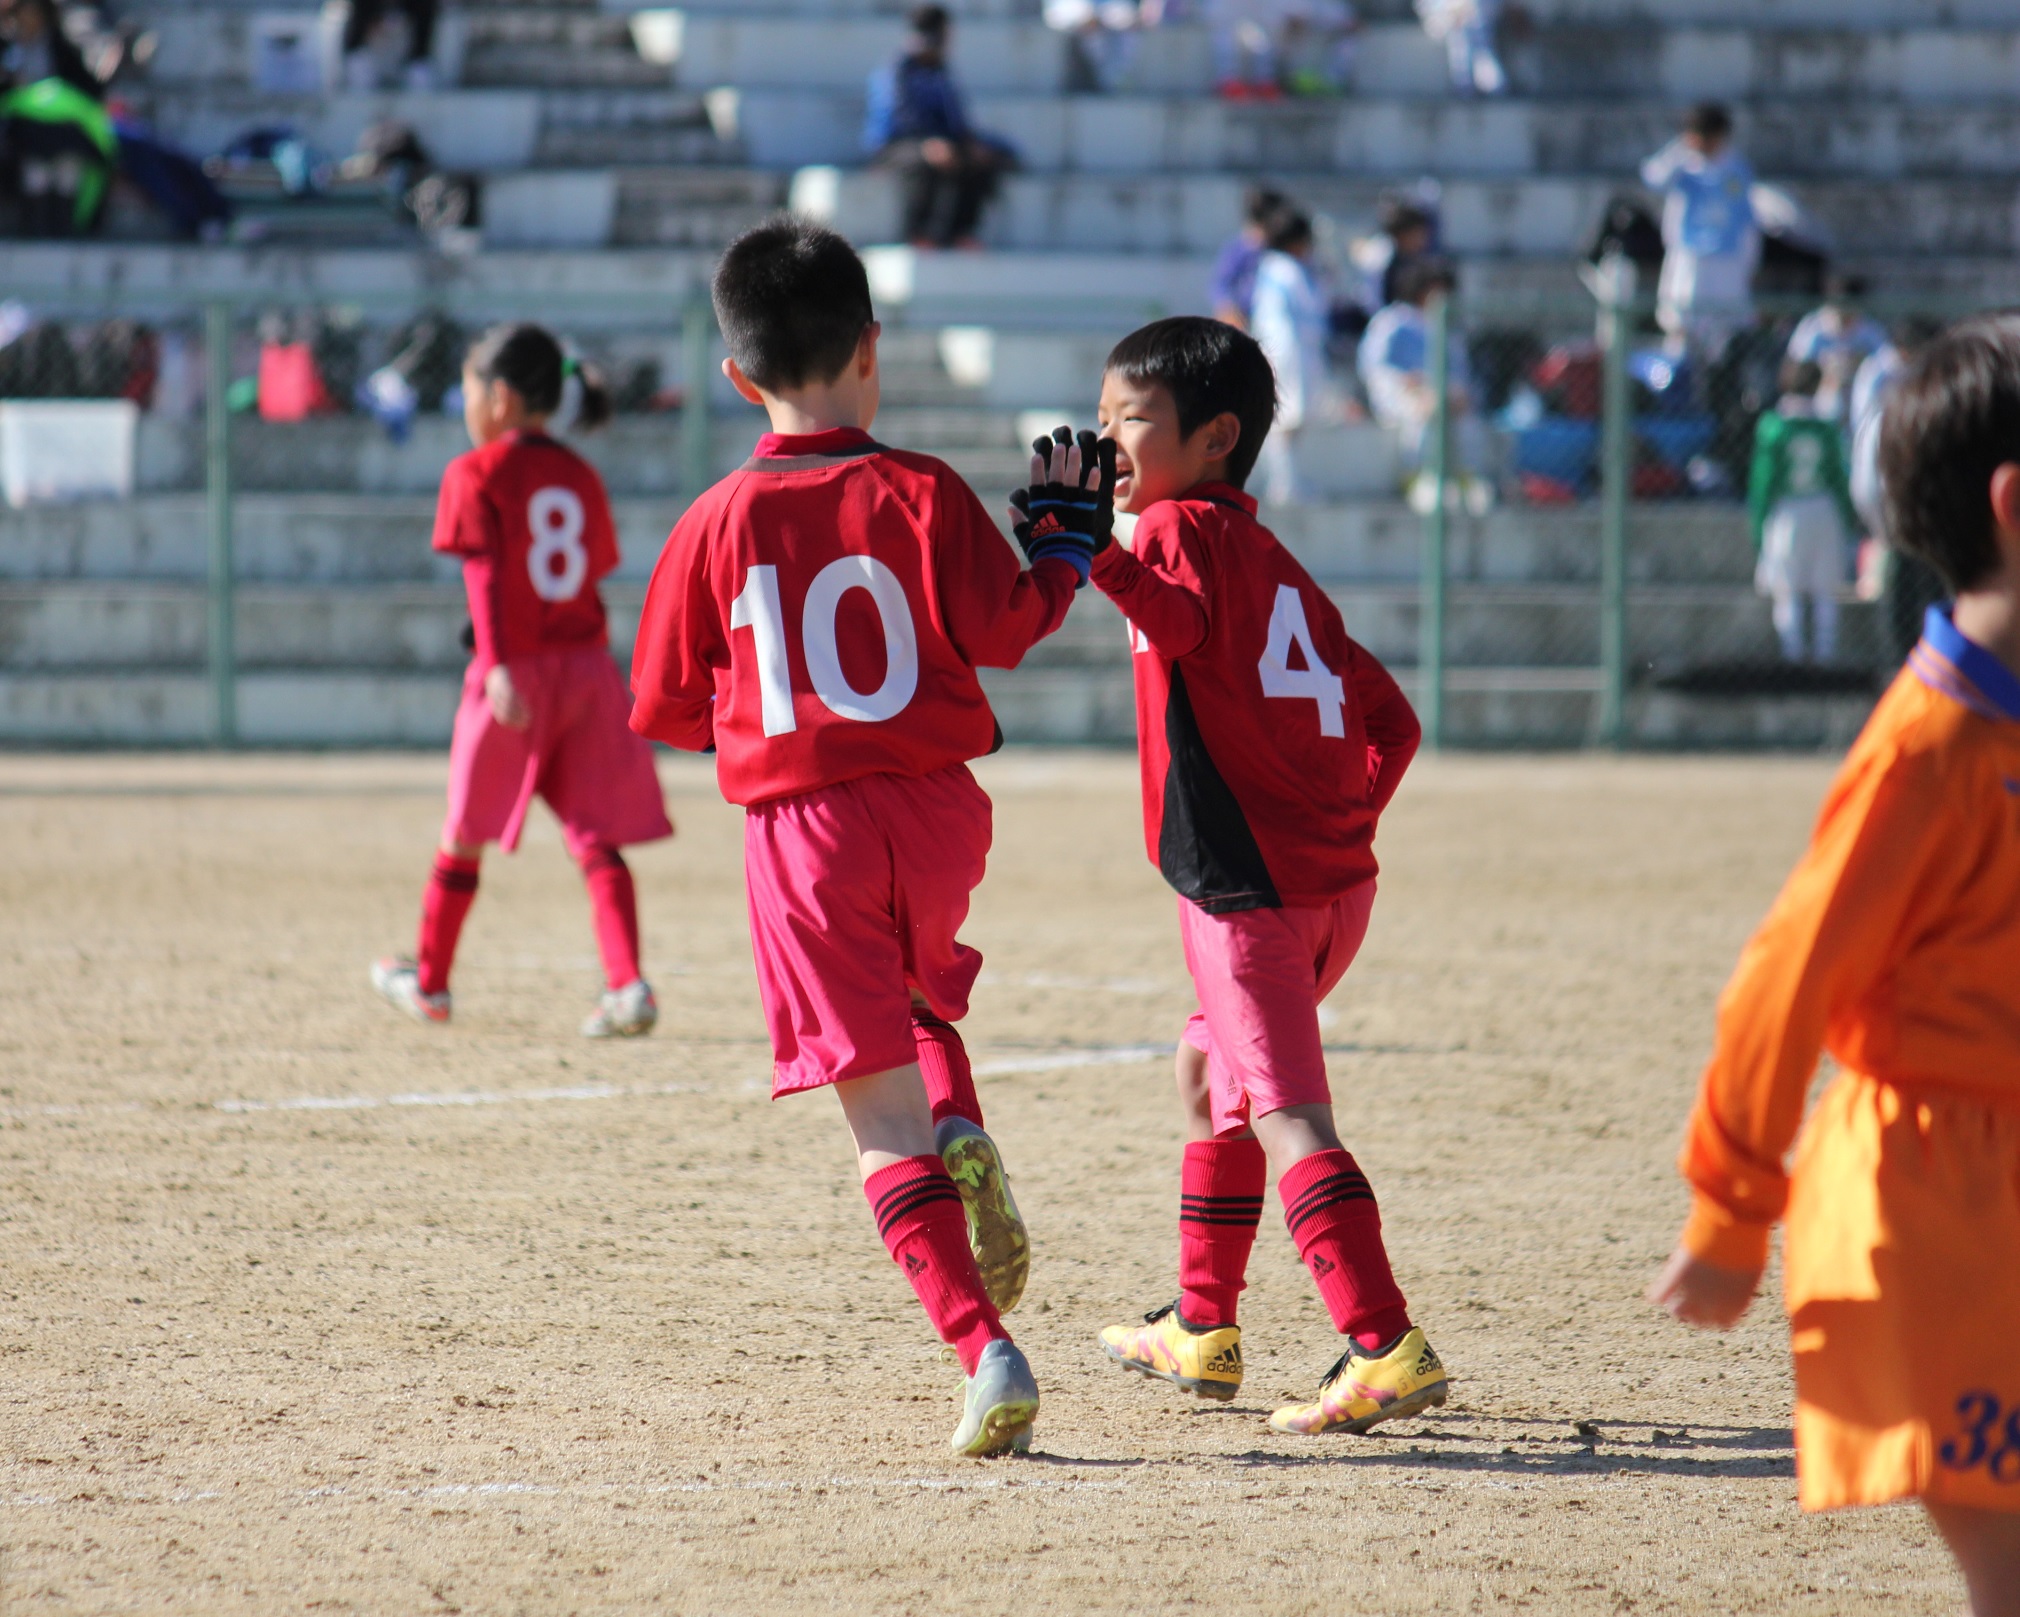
{"points": [[306, 1308]]}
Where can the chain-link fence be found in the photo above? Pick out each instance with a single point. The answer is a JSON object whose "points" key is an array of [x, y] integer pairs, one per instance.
{"points": [[216, 513]]}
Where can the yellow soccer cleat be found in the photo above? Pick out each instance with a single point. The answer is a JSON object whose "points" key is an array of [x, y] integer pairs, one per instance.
{"points": [[996, 1233], [1204, 1362], [1364, 1389]]}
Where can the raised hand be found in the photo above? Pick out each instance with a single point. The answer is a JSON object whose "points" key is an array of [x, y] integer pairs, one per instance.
{"points": [[1068, 510]]}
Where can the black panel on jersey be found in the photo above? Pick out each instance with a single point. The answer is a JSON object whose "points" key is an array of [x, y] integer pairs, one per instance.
{"points": [[1205, 848]]}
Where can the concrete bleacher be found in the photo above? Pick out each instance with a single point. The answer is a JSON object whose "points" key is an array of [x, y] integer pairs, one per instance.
{"points": [[621, 143]]}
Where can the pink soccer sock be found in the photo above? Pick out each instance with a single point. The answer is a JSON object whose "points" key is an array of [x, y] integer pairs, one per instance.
{"points": [[943, 1061], [452, 889], [1219, 1206], [613, 906], [918, 1213], [1333, 1218]]}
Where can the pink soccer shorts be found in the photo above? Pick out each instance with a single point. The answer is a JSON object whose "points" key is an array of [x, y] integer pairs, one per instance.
{"points": [[1260, 975], [856, 893], [579, 753]]}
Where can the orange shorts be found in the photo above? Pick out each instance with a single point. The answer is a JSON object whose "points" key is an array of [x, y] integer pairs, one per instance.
{"points": [[1903, 1282]]}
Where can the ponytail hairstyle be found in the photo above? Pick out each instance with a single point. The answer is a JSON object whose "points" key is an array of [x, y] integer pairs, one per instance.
{"points": [[529, 360]]}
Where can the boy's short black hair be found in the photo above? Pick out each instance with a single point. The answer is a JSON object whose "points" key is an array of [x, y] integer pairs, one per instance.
{"points": [[793, 300], [1952, 420], [1288, 231], [1208, 368], [1708, 120], [1262, 203], [929, 22]]}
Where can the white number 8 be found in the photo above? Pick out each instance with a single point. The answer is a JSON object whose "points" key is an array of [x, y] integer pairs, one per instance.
{"points": [[556, 519]]}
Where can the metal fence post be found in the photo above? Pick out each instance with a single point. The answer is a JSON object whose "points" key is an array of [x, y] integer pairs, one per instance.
{"points": [[1616, 292], [217, 486], [1435, 475], [697, 347]]}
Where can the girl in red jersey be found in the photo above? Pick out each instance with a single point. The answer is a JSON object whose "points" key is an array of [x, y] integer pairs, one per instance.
{"points": [[544, 710]]}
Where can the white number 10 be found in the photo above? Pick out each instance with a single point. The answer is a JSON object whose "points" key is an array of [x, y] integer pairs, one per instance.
{"points": [[1314, 682], [757, 608]]}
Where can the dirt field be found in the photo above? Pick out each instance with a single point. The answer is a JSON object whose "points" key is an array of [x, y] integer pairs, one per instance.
{"points": [[306, 1308]]}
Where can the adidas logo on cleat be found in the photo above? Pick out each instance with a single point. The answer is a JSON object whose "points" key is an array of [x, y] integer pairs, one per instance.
{"points": [[1227, 1362], [1428, 1360]]}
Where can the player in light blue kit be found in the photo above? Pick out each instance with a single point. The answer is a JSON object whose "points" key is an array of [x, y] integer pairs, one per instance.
{"points": [[1711, 242]]}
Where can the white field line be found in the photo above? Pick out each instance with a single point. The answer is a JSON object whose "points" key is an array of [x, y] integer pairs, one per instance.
{"points": [[1116, 1055]]}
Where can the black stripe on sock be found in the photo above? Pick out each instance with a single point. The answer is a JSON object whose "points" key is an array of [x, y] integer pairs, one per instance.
{"points": [[604, 859], [910, 1198], [452, 880], [1241, 1212], [1349, 1185]]}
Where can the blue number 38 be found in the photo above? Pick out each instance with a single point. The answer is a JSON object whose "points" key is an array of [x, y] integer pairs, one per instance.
{"points": [[1984, 1440]]}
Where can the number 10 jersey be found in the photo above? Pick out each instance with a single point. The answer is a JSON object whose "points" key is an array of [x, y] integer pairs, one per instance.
{"points": [[819, 615]]}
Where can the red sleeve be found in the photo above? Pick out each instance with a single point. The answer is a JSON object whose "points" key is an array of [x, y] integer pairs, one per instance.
{"points": [[1393, 730], [1158, 585], [466, 525], [681, 643], [994, 610]]}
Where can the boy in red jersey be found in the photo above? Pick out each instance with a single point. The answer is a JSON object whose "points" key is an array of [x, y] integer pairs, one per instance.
{"points": [[544, 708], [818, 617], [1270, 743], [1895, 944]]}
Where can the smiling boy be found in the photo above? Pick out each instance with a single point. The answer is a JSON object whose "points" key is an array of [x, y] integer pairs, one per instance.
{"points": [[1270, 745]]}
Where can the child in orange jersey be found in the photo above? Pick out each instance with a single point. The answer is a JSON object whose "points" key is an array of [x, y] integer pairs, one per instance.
{"points": [[1896, 945]]}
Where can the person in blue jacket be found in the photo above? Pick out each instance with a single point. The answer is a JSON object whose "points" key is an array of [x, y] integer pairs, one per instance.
{"points": [[916, 124]]}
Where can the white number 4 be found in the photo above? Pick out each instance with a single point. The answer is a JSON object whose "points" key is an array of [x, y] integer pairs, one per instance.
{"points": [[1314, 682]]}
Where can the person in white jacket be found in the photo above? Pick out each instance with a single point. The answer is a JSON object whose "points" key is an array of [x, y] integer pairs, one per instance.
{"points": [[1395, 366], [1289, 319], [1710, 239]]}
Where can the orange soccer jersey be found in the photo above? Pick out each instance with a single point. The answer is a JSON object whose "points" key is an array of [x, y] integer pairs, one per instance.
{"points": [[1896, 946]]}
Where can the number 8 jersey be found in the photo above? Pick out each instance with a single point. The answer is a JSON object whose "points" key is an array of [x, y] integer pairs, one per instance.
{"points": [[819, 615], [1270, 740], [531, 521]]}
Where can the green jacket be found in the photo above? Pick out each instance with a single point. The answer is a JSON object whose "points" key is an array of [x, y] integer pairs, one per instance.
{"points": [[51, 101], [1795, 456]]}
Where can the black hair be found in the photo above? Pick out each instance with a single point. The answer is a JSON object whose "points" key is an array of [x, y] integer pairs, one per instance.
{"points": [[1209, 369], [1951, 421], [1802, 377], [1420, 277], [1398, 214], [1262, 203], [1288, 230], [793, 301], [529, 360], [1708, 120], [929, 22]]}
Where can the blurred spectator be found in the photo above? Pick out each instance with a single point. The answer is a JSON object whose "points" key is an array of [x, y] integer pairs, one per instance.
{"points": [[1908, 586], [1709, 237], [1799, 503], [1395, 367], [916, 124], [1466, 28], [59, 151], [1262, 47], [33, 46], [1233, 289], [1837, 339], [390, 38], [1406, 230], [1102, 38], [1291, 324]]}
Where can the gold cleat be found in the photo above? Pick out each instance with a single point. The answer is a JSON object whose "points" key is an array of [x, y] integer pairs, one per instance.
{"points": [[996, 1233], [1364, 1389], [1207, 1362]]}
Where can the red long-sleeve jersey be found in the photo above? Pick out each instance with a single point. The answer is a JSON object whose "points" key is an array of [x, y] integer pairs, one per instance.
{"points": [[532, 523], [1270, 741], [820, 613]]}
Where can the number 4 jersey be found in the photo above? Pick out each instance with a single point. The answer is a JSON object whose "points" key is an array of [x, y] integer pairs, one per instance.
{"points": [[1270, 740], [530, 519], [820, 613]]}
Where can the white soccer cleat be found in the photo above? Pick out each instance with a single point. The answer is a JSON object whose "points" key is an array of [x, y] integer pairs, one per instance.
{"points": [[398, 981], [623, 1013]]}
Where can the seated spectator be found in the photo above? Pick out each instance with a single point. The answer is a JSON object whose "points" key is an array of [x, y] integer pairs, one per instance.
{"points": [[1103, 37], [1799, 504], [1291, 321], [1406, 230], [33, 47], [1233, 290], [1711, 242], [1395, 367], [1263, 47], [917, 125], [1837, 338], [1466, 28], [373, 40]]}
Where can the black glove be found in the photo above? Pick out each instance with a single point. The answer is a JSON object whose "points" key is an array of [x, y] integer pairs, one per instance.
{"points": [[1069, 509]]}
